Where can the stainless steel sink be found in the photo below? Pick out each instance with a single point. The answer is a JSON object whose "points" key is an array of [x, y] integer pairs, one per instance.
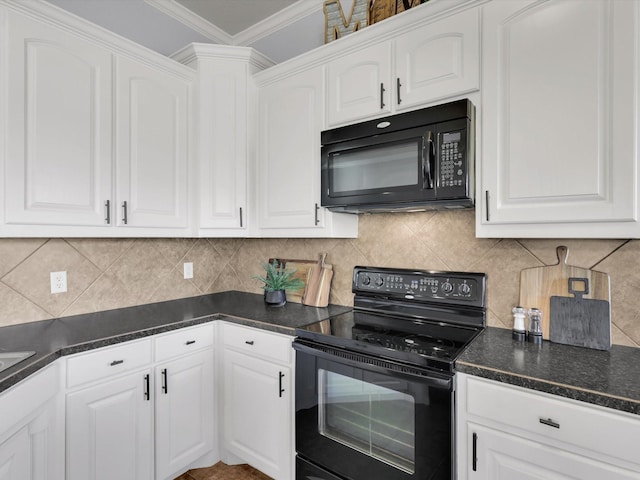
{"points": [[9, 359]]}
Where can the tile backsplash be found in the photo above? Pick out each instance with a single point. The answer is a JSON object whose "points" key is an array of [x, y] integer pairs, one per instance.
{"points": [[112, 273]]}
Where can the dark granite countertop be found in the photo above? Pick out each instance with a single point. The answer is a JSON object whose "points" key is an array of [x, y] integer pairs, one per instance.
{"points": [[64, 336], [607, 378]]}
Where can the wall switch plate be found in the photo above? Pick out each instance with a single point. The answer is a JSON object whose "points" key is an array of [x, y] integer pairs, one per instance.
{"points": [[58, 282], [188, 270]]}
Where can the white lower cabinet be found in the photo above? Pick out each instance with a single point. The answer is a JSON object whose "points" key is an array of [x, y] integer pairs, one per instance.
{"points": [[122, 398], [184, 412], [511, 433], [109, 430], [258, 399], [32, 428]]}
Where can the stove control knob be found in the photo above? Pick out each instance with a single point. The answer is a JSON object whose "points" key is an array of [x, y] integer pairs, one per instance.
{"points": [[446, 287], [366, 280], [464, 289], [379, 281]]}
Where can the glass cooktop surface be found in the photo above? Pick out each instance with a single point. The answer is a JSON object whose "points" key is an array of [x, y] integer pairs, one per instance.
{"points": [[413, 341]]}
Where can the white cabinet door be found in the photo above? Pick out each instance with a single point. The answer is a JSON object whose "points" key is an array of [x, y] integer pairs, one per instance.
{"points": [[360, 84], [430, 62], [288, 180], [152, 146], [58, 134], [501, 456], [437, 61], [559, 126], [223, 146], [32, 428], [258, 413], [110, 430], [184, 412], [15, 461]]}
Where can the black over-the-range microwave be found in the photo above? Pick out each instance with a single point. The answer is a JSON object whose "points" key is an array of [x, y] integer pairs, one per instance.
{"points": [[419, 160]]}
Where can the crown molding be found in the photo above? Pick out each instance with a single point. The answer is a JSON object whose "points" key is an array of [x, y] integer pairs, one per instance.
{"points": [[287, 16], [196, 51], [185, 16]]}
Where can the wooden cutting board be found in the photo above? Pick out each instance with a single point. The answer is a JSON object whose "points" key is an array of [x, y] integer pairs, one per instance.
{"points": [[578, 321], [302, 268], [539, 284], [317, 292]]}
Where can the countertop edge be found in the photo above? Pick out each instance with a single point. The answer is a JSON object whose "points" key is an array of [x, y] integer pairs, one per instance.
{"points": [[546, 386]]}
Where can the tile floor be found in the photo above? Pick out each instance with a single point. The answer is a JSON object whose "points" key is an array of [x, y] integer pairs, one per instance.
{"points": [[221, 471]]}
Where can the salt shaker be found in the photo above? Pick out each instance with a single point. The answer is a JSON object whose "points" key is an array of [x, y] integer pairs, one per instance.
{"points": [[519, 329], [534, 332]]}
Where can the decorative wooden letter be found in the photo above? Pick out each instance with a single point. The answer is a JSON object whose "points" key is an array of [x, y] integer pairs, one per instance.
{"points": [[336, 25]]}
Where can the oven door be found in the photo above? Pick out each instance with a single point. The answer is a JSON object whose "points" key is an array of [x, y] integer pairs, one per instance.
{"points": [[360, 417]]}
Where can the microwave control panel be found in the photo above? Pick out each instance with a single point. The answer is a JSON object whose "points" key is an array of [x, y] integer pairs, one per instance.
{"points": [[453, 154]]}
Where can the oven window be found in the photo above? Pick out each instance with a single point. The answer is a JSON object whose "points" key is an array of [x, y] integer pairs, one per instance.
{"points": [[375, 168], [373, 419]]}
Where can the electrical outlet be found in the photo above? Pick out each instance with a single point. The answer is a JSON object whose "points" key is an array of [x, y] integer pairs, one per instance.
{"points": [[58, 282], [188, 270]]}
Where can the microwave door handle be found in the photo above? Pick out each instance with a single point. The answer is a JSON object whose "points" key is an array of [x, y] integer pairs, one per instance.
{"points": [[428, 157]]}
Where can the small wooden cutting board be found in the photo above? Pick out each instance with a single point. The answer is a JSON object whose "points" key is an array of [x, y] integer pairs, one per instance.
{"points": [[539, 284]]}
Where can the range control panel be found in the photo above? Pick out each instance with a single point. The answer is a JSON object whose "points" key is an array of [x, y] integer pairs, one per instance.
{"points": [[447, 287]]}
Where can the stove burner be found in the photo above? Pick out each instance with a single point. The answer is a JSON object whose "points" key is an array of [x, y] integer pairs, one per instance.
{"points": [[416, 343]]}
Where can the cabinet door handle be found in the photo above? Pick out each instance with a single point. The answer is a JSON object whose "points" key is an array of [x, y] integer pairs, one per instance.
{"points": [[116, 362], [486, 203], [190, 342], [398, 85], [124, 212], [240, 217], [107, 212], [165, 383], [280, 384], [147, 392], [317, 210], [382, 96], [249, 342], [474, 453], [549, 422]]}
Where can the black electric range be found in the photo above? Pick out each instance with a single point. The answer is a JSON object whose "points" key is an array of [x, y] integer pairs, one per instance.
{"points": [[417, 317]]}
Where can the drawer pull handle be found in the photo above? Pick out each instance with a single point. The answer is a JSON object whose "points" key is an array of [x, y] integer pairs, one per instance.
{"points": [[116, 362], [249, 342], [190, 342], [549, 422]]}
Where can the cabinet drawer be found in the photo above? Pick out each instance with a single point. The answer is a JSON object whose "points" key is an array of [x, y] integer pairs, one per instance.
{"points": [[258, 342], [597, 429], [107, 362], [183, 341]]}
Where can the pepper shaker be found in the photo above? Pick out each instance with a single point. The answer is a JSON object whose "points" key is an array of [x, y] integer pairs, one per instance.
{"points": [[534, 333]]}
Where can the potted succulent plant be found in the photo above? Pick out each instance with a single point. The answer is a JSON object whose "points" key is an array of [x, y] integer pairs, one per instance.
{"points": [[277, 280]]}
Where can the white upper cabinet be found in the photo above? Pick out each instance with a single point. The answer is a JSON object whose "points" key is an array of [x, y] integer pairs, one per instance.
{"points": [[58, 135], [92, 122], [288, 178], [432, 61], [290, 120], [559, 119], [152, 146], [224, 112], [360, 84]]}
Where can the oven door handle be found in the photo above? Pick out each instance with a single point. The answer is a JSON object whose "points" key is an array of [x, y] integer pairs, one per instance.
{"points": [[434, 379]]}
